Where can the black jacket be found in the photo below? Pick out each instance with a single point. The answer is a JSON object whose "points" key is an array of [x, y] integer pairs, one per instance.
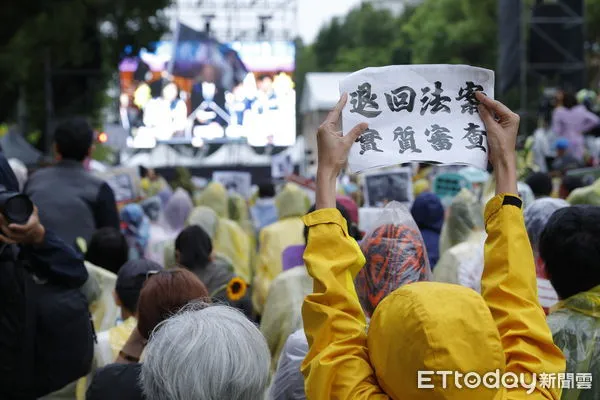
{"points": [[116, 382]]}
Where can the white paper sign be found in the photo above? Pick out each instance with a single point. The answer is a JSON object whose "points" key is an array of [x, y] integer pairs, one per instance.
{"points": [[383, 187], [234, 181], [417, 113], [125, 183], [282, 165]]}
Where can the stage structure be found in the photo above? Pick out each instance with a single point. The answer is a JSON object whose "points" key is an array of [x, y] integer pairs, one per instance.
{"points": [[238, 20], [541, 41]]}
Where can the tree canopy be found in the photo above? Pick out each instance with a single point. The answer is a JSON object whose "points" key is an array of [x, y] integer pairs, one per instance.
{"points": [[79, 41]]}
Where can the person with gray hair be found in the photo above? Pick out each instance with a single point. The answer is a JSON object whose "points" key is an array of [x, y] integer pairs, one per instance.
{"points": [[206, 352], [536, 217]]}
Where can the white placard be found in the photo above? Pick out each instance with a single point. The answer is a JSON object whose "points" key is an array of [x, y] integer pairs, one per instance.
{"points": [[234, 181], [282, 165], [417, 113], [385, 186], [125, 183]]}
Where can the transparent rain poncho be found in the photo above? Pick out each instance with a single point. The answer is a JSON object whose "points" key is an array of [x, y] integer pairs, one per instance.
{"points": [[575, 326], [465, 215], [537, 215], [288, 381], [395, 255]]}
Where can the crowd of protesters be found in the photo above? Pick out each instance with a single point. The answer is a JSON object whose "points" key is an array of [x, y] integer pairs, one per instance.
{"points": [[208, 295]]}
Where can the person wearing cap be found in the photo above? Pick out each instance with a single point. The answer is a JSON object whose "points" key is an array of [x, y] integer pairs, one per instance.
{"points": [[564, 160], [426, 327], [130, 281]]}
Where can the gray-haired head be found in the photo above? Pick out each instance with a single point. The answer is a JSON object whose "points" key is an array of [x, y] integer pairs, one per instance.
{"points": [[209, 353], [537, 215]]}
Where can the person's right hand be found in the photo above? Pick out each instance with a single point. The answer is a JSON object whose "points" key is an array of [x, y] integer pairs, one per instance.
{"points": [[502, 127]]}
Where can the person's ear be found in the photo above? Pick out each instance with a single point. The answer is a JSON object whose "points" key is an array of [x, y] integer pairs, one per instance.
{"points": [[177, 256], [91, 150], [212, 257], [117, 299], [540, 267]]}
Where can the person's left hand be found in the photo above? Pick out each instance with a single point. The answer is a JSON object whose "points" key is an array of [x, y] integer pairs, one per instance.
{"points": [[333, 147], [33, 232]]}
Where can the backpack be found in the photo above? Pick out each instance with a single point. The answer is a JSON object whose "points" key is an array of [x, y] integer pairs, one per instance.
{"points": [[46, 334]]}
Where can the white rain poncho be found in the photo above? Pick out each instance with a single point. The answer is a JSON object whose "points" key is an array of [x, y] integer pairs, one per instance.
{"points": [[288, 381], [463, 263]]}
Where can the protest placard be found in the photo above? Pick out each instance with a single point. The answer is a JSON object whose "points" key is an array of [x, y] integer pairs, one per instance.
{"points": [[417, 113], [234, 181], [383, 187], [282, 165], [125, 183]]}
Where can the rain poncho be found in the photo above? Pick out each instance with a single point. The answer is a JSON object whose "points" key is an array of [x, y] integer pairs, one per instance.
{"points": [[230, 239], [536, 217], [238, 212], [153, 187], [395, 256], [264, 213], [177, 210], [428, 212], [275, 238], [425, 326], [208, 220], [586, 195], [172, 222], [104, 310], [463, 263], [152, 208], [288, 382], [464, 217], [282, 314], [136, 228], [575, 326], [214, 196]]}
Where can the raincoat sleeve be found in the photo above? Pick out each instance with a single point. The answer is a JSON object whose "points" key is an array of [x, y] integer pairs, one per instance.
{"points": [[509, 287], [337, 364]]}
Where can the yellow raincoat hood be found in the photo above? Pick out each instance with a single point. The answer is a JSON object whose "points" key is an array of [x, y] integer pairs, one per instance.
{"points": [[440, 340], [215, 197], [291, 202]]}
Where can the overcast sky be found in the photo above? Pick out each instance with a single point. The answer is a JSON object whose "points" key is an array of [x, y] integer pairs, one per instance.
{"points": [[312, 14]]}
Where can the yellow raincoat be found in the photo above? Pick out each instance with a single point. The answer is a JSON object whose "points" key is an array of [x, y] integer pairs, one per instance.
{"points": [[239, 212], [274, 239], [425, 326], [230, 238]]}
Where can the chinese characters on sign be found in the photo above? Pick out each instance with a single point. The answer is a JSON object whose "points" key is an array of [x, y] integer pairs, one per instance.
{"points": [[417, 113]]}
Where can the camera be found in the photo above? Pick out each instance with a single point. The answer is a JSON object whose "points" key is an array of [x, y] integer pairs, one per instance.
{"points": [[16, 207]]}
